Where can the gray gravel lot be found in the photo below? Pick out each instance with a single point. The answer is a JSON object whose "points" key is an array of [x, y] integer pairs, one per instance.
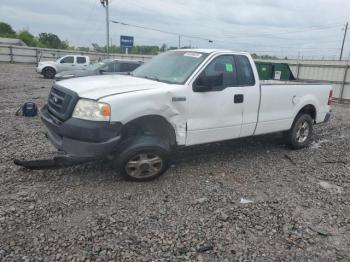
{"points": [[300, 209]]}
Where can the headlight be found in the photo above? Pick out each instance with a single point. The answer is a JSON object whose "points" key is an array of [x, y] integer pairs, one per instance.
{"points": [[92, 110]]}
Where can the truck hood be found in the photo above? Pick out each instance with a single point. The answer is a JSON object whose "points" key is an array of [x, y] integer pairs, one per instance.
{"points": [[46, 63], [96, 87]]}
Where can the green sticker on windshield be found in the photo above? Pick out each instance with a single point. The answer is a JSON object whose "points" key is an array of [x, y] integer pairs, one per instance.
{"points": [[229, 68]]}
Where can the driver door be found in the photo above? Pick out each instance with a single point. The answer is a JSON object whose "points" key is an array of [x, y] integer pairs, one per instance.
{"points": [[66, 63], [215, 111]]}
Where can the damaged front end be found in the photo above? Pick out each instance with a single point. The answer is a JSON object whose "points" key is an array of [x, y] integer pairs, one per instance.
{"points": [[81, 140]]}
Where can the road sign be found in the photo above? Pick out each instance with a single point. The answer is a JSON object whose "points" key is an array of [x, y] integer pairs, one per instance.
{"points": [[126, 41]]}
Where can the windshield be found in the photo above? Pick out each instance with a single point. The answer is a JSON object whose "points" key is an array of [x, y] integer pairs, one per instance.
{"points": [[171, 67]]}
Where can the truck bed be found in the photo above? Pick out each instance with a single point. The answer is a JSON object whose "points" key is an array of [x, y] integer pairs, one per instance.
{"points": [[282, 100], [292, 82]]}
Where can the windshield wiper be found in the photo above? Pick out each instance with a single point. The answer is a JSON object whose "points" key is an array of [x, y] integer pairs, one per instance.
{"points": [[152, 78], [155, 78]]}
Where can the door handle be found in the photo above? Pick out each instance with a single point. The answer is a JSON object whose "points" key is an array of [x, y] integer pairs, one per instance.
{"points": [[239, 99]]}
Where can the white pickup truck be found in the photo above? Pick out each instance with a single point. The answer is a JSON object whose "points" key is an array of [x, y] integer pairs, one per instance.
{"points": [[66, 63], [179, 98]]}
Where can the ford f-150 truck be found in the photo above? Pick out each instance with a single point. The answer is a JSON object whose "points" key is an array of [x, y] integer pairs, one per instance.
{"points": [[179, 98]]}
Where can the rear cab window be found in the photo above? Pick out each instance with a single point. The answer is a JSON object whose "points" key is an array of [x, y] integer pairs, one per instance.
{"points": [[113, 67], [245, 75], [81, 60]]}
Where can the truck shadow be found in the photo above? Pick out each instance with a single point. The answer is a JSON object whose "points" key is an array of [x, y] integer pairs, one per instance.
{"points": [[245, 146], [103, 170]]}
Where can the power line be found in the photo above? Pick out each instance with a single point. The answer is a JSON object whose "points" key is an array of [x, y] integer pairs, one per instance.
{"points": [[105, 4], [273, 34], [319, 28], [163, 31], [264, 34]]}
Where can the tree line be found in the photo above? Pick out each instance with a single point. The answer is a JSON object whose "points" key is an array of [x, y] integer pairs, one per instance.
{"points": [[45, 40]]}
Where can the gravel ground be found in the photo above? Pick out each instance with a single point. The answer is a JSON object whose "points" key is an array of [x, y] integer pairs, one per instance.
{"points": [[197, 211]]}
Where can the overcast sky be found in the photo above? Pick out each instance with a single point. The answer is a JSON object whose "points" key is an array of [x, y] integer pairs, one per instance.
{"points": [[305, 27]]}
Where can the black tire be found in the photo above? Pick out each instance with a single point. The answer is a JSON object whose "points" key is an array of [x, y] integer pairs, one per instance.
{"points": [[49, 72], [142, 159], [300, 135]]}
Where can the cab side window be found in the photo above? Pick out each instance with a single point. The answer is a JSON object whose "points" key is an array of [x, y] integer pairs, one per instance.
{"points": [[220, 73], [67, 60], [244, 71], [81, 60], [133, 66], [113, 67], [127, 67]]}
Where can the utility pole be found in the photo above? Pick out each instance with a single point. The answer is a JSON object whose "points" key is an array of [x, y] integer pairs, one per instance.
{"points": [[179, 41], [342, 47], [105, 5]]}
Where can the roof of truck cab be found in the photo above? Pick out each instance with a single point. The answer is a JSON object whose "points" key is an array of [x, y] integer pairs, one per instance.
{"points": [[209, 51]]}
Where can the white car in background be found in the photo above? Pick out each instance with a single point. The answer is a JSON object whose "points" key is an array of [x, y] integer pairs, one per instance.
{"points": [[69, 62]]}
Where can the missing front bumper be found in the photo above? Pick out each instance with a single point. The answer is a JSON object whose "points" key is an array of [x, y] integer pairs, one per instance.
{"points": [[55, 162]]}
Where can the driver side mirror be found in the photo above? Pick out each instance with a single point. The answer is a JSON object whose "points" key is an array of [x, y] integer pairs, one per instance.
{"points": [[102, 71], [207, 83]]}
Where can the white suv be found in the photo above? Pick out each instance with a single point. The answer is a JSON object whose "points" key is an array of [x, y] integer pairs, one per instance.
{"points": [[69, 62]]}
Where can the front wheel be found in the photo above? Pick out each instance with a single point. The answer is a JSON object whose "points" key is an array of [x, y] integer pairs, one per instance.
{"points": [[300, 135], [49, 72], [142, 159]]}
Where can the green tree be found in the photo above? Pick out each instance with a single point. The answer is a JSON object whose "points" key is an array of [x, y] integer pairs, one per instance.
{"points": [[6, 30], [52, 41], [172, 48], [27, 38], [255, 56], [65, 45]]}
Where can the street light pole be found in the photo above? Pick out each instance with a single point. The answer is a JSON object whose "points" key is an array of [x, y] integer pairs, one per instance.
{"points": [[342, 47], [105, 5], [107, 28]]}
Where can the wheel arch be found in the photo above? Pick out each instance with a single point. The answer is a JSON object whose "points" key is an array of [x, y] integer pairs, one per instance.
{"points": [[49, 66], [309, 109], [152, 125]]}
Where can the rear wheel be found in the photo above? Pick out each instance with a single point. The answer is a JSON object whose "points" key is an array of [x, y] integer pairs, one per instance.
{"points": [[49, 72], [300, 135], [142, 159]]}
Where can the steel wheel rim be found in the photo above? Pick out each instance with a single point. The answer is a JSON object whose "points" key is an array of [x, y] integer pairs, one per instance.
{"points": [[303, 132], [50, 72], [144, 165]]}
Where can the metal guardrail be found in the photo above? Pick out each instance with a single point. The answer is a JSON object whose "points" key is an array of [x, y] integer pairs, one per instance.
{"points": [[21, 54]]}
